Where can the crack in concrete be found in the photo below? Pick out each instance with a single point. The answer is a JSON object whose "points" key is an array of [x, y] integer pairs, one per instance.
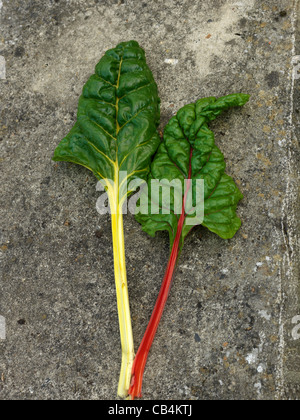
{"points": [[288, 217]]}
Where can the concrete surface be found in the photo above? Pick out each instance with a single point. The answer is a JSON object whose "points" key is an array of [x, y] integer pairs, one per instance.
{"points": [[231, 327]]}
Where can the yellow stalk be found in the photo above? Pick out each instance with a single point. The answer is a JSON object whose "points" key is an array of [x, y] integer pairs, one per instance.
{"points": [[121, 290], [126, 334]]}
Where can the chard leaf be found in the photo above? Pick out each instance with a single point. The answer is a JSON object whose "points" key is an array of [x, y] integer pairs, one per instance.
{"points": [[115, 137], [187, 154], [118, 115], [189, 151]]}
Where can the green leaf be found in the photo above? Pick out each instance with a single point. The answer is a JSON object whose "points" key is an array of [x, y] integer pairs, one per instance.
{"points": [[115, 137], [118, 115], [189, 148]]}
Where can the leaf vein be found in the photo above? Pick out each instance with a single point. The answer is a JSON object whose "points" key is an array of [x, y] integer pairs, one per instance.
{"points": [[136, 147], [103, 129], [106, 81], [132, 118], [100, 152], [135, 90]]}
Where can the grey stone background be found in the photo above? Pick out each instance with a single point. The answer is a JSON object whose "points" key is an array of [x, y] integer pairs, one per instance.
{"points": [[227, 332]]}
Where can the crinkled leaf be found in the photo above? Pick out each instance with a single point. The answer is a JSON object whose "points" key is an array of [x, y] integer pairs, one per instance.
{"points": [[115, 136], [189, 147], [118, 115]]}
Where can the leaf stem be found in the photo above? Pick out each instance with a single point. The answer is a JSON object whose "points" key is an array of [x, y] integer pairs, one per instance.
{"points": [[143, 351], [122, 296]]}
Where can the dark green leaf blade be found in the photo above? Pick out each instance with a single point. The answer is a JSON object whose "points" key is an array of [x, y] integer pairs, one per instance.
{"points": [[220, 209], [118, 115], [189, 146]]}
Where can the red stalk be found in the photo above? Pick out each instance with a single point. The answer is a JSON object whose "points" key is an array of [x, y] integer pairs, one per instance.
{"points": [[141, 357]]}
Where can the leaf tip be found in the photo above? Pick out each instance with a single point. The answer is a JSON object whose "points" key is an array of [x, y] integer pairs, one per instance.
{"points": [[245, 98]]}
